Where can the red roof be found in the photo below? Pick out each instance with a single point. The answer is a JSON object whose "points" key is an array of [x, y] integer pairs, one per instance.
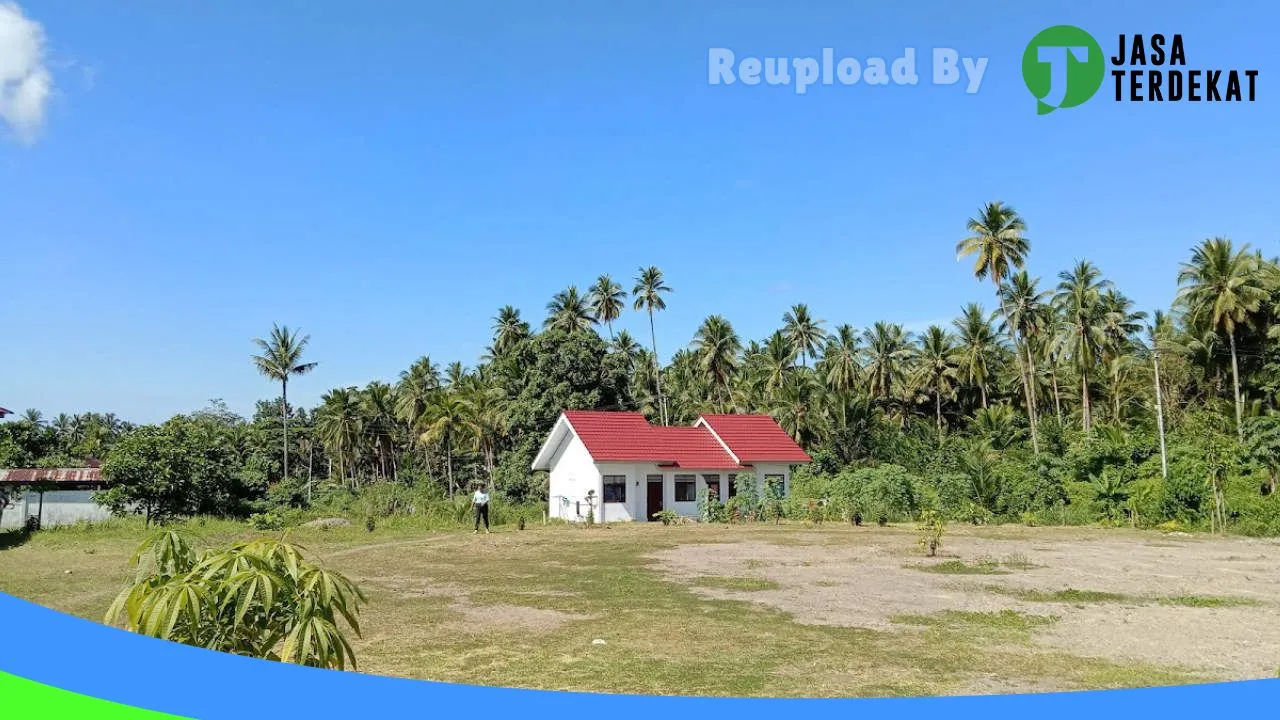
{"points": [[756, 438], [5, 411], [27, 476], [628, 437]]}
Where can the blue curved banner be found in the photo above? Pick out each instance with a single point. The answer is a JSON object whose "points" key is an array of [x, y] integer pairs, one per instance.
{"points": [[97, 661]]}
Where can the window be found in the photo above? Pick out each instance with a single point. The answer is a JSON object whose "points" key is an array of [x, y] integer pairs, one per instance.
{"points": [[713, 487], [615, 488], [775, 485], [686, 488], [733, 484]]}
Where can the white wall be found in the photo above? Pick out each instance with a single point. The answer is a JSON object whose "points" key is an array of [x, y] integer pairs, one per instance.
{"points": [[772, 469], [573, 473], [61, 507]]}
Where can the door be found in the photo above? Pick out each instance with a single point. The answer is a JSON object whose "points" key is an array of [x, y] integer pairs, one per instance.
{"points": [[654, 500]]}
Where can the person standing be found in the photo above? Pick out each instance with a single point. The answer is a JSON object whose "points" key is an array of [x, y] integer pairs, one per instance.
{"points": [[480, 500]]}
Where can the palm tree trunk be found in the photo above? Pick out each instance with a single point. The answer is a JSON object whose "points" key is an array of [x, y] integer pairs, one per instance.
{"points": [[1235, 379], [982, 389], [1057, 396], [448, 465], [1022, 371], [284, 421], [1031, 377], [311, 451], [937, 411], [1115, 391], [1085, 415], [657, 370], [1164, 457]]}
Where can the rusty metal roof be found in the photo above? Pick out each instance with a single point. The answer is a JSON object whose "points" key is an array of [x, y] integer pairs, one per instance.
{"points": [[5, 411], [28, 476]]}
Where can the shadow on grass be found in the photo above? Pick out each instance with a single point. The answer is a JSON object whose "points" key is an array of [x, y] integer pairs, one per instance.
{"points": [[10, 539]]}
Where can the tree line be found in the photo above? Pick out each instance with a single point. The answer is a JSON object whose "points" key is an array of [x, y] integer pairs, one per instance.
{"points": [[1055, 398]]}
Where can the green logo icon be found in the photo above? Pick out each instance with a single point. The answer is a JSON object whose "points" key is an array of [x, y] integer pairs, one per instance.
{"points": [[1063, 67]]}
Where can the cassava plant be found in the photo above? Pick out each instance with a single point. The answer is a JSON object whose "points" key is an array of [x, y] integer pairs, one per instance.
{"points": [[931, 528], [260, 598]]}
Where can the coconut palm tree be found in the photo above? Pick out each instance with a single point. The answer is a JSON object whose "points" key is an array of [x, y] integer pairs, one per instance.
{"points": [[648, 292], [447, 420], [1027, 313], [888, 351], [607, 299], [339, 425], [625, 345], [486, 408], [979, 347], [280, 360], [778, 358], [1079, 301], [1120, 325], [799, 408], [1222, 288], [997, 240], [508, 329], [717, 347], [937, 368], [377, 406], [803, 332], [568, 311], [840, 367]]}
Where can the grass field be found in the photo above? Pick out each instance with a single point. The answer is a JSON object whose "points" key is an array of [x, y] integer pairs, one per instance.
{"points": [[760, 610]]}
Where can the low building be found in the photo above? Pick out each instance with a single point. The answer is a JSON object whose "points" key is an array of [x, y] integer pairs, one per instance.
{"points": [[54, 496], [620, 467]]}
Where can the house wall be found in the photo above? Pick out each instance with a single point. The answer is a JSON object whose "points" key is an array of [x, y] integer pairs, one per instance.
{"points": [[61, 507], [573, 473]]}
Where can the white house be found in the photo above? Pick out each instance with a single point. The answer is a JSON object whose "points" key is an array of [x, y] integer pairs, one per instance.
{"points": [[55, 496], [634, 470]]}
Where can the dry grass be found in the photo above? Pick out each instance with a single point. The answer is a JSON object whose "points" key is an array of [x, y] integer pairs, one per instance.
{"points": [[522, 609]]}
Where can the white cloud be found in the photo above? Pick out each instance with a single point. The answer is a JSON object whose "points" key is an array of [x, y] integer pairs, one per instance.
{"points": [[25, 81]]}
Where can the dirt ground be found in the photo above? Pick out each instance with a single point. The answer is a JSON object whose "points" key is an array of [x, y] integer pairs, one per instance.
{"points": [[1164, 581]]}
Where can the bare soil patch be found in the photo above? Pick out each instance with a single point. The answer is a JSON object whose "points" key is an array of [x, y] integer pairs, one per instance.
{"points": [[475, 617], [867, 579]]}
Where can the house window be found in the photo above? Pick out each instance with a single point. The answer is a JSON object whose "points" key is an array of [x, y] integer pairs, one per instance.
{"points": [[615, 488], [733, 484], [775, 485], [686, 488], [713, 487]]}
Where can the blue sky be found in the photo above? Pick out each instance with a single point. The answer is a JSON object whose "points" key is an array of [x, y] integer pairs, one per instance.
{"points": [[386, 175]]}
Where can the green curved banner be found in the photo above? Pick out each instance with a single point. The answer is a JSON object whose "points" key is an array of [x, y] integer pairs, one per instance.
{"points": [[24, 698]]}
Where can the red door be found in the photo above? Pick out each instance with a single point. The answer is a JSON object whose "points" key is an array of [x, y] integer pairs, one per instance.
{"points": [[654, 501]]}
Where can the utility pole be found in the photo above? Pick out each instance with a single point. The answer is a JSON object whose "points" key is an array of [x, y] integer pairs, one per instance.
{"points": [[1164, 457]]}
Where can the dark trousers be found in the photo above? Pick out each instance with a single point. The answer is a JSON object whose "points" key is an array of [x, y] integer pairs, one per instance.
{"points": [[482, 513]]}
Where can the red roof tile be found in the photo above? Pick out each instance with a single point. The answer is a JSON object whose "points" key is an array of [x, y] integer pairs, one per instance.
{"points": [[628, 437], [756, 438]]}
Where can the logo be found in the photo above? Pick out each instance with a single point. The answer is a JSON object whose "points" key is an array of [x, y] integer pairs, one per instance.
{"points": [[1063, 66]]}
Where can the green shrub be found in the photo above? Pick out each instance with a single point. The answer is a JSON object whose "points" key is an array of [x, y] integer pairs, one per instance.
{"points": [[931, 528], [266, 521]]}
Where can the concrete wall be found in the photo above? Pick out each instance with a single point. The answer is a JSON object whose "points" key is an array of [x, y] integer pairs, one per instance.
{"points": [[573, 473], [61, 507]]}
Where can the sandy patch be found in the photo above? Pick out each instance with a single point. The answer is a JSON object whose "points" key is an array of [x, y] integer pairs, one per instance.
{"points": [[475, 617], [862, 582]]}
